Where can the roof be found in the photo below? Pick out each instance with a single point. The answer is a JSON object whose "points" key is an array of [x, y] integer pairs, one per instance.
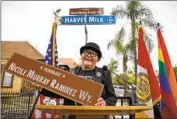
{"points": [[21, 47], [69, 61]]}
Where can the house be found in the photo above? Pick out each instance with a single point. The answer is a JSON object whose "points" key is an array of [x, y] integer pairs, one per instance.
{"points": [[8, 81]]}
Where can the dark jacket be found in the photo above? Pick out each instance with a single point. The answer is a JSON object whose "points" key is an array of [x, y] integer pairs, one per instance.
{"points": [[108, 93]]}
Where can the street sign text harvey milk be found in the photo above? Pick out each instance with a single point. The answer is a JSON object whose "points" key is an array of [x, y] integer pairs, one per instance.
{"points": [[89, 20], [54, 79]]}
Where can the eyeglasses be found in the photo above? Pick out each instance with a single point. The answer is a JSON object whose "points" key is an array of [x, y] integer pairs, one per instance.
{"points": [[87, 53]]}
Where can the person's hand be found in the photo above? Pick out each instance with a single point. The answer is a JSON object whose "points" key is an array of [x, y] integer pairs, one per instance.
{"points": [[100, 102]]}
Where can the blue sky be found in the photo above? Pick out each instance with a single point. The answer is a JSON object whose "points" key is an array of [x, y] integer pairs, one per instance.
{"points": [[32, 21]]}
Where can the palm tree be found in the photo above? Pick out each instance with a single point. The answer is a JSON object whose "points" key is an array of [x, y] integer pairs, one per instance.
{"points": [[124, 50], [113, 65], [134, 11]]}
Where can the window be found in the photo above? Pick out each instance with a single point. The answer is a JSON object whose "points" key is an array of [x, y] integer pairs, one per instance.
{"points": [[7, 80]]}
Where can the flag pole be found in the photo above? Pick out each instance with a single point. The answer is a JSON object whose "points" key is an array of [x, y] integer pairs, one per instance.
{"points": [[136, 73], [57, 21], [158, 26], [57, 18]]}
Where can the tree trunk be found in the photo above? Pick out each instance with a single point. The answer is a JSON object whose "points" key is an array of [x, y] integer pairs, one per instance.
{"points": [[125, 59], [125, 85], [133, 24]]}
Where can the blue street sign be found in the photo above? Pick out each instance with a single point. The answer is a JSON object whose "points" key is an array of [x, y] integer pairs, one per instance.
{"points": [[89, 20]]}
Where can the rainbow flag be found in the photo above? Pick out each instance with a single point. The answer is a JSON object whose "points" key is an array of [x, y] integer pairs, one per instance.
{"points": [[168, 82], [148, 90]]}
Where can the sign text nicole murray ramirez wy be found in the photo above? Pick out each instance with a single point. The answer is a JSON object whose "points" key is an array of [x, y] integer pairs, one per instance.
{"points": [[52, 83]]}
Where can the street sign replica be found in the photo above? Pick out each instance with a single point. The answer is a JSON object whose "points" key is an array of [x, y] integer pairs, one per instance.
{"points": [[54, 79], [89, 20], [86, 11]]}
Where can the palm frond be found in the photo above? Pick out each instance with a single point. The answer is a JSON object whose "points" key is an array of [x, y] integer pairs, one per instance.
{"points": [[130, 48], [111, 43], [117, 42], [119, 47], [119, 11], [121, 34], [133, 8], [132, 45], [145, 11], [149, 23], [132, 5], [149, 42]]}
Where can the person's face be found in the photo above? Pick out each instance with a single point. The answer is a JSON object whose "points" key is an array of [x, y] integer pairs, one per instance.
{"points": [[89, 59]]}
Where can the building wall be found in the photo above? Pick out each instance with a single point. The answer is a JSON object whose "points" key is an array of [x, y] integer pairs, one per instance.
{"points": [[16, 86], [17, 82]]}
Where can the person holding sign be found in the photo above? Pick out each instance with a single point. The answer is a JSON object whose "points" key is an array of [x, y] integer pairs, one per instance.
{"points": [[90, 55]]}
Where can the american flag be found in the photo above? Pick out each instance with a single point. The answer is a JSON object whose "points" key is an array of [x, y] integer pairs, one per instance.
{"points": [[37, 114], [51, 58]]}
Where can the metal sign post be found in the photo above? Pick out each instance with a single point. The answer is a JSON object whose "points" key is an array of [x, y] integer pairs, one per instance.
{"points": [[86, 11]]}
